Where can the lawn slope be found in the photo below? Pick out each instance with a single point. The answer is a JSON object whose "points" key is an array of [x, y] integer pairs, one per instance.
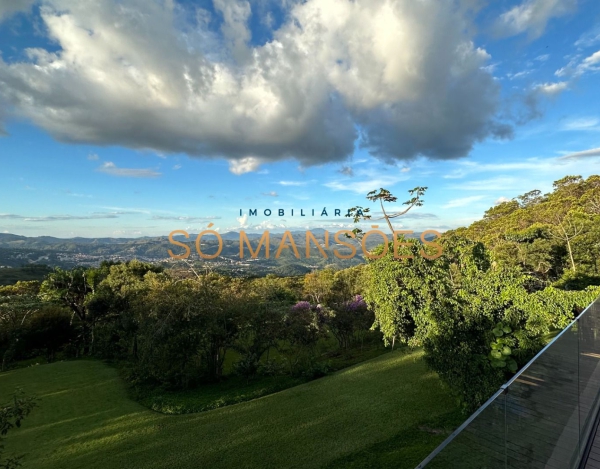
{"points": [[85, 420]]}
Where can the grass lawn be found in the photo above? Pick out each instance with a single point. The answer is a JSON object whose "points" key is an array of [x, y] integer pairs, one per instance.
{"points": [[235, 389], [386, 412]]}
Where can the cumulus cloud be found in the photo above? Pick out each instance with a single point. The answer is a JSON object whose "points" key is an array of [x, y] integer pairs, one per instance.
{"points": [[532, 16], [406, 73], [110, 168], [501, 200], [235, 29], [244, 165]]}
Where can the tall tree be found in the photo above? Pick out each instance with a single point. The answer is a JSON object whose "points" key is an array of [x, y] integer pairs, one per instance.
{"points": [[359, 213]]}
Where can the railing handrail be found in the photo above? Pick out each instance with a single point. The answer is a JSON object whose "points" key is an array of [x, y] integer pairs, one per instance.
{"points": [[500, 391]]}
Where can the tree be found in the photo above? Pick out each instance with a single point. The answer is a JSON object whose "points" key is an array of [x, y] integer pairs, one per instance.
{"points": [[304, 324], [260, 326], [70, 288], [399, 289], [185, 328], [530, 198], [349, 318], [111, 306], [359, 213], [318, 285], [567, 224]]}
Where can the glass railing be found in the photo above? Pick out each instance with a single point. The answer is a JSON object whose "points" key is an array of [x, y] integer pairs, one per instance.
{"points": [[542, 417]]}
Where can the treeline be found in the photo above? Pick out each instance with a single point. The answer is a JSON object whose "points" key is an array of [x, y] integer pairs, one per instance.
{"points": [[553, 237], [176, 332]]}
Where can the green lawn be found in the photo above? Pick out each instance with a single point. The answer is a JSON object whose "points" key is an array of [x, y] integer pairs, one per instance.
{"points": [[381, 413], [235, 389]]}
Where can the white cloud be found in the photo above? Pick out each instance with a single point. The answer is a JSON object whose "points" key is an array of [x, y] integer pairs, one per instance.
{"points": [[591, 63], [542, 58], [532, 16], [293, 183], [582, 123], [172, 86], [51, 218], [591, 153], [245, 165], [471, 167], [463, 201], [271, 194], [176, 167], [501, 200], [551, 89], [364, 186], [243, 221], [110, 168], [589, 38], [521, 74], [576, 69], [93, 157]]}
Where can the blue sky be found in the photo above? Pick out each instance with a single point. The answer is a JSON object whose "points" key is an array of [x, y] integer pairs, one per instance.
{"points": [[136, 118]]}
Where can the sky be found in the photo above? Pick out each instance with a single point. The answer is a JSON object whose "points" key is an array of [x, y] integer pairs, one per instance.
{"points": [[128, 118]]}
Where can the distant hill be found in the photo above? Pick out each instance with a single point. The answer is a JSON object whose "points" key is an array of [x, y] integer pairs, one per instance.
{"points": [[17, 251]]}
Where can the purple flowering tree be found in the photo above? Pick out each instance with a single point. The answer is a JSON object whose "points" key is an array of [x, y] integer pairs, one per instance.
{"points": [[304, 325], [351, 318]]}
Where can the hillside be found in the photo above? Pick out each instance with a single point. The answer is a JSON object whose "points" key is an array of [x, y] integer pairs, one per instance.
{"points": [[85, 420]]}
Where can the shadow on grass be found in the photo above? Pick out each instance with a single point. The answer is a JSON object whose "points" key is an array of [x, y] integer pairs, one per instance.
{"points": [[335, 418]]}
